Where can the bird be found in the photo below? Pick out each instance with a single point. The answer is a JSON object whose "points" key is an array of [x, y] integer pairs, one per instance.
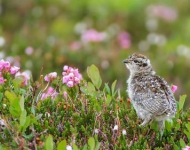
{"points": [[150, 95]]}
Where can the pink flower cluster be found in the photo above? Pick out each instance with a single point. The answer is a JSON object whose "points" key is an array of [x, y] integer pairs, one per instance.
{"points": [[51, 92], [124, 40], [167, 13], [92, 35], [186, 148], [51, 76], [5, 66], [23, 75], [71, 76]]}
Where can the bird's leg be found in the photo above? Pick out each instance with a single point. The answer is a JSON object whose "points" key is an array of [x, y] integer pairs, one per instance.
{"points": [[146, 121], [161, 126]]}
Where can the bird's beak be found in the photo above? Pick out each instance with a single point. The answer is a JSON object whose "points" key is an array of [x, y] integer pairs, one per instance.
{"points": [[125, 61]]}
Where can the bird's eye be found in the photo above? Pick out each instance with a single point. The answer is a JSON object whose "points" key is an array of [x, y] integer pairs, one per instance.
{"points": [[144, 64], [136, 61]]}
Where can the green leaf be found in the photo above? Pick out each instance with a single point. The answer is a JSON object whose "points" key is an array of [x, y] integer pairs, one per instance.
{"points": [[1, 96], [182, 101], [107, 88], [33, 110], [14, 108], [187, 134], [11, 96], [94, 75], [62, 145], [108, 100], [49, 143], [188, 126], [90, 87], [17, 82], [39, 116], [91, 143], [182, 143], [98, 146], [28, 137], [177, 127], [27, 124], [168, 125], [176, 147], [113, 87], [22, 91], [85, 147], [74, 146], [33, 119], [84, 89], [22, 103], [23, 118], [2, 147]]}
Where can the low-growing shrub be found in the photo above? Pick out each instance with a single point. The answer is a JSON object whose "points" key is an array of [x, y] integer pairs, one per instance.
{"points": [[68, 112]]}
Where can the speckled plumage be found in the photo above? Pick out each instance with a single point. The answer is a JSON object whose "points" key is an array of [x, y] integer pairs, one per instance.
{"points": [[150, 94]]}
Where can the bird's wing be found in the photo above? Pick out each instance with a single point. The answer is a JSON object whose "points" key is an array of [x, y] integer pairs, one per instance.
{"points": [[155, 96]]}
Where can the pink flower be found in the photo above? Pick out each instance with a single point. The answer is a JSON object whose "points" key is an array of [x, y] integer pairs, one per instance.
{"points": [[1, 79], [75, 45], [186, 148], [93, 36], [44, 96], [51, 92], [14, 69], [25, 77], [54, 95], [65, 94], [70, 84], [77, 80], [124, 40], [65, 79], [29, 50], [160, 11], [174, 88], [71, 76], [4, 65], [51, 76], [65, 68]]}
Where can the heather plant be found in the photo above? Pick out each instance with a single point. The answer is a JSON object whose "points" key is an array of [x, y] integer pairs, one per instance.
{"points": [[89, 115]]}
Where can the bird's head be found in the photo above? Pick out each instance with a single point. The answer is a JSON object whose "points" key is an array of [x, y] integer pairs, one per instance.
{"points": [[137, 63]]}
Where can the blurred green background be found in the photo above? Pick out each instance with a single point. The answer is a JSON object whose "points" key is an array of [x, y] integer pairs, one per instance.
{"points": [[44, 35]]}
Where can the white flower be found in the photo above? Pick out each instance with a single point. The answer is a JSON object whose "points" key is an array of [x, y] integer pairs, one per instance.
{"points": [[47, 114], [4, 106], [68, 147], [115, 128], [2, 41], [124, 132], [96, 131], [2, 124]]}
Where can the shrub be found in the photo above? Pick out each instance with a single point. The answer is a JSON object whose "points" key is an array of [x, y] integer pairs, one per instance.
{"points": [[87, 115]]}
